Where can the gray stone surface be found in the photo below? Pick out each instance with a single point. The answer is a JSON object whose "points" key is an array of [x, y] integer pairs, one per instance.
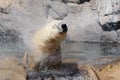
{"points": [[83, 20]]}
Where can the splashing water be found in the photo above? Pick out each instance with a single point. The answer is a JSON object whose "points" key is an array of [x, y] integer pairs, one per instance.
{"points": [[54, 75]]}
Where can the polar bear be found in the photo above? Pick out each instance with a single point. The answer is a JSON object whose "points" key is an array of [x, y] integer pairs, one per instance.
{"points": [[46, 55]]}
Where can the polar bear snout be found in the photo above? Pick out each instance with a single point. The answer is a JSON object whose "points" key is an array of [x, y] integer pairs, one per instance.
{"points": [[64, 27]]}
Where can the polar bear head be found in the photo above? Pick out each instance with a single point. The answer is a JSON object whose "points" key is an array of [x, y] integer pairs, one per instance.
{"points": [[49, 38]]}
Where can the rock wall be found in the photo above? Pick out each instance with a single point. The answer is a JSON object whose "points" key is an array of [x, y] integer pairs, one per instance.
{"points": [[87, 19]]}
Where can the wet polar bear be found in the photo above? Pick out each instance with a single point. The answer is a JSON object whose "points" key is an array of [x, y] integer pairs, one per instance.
{"points": [[47, 55]]}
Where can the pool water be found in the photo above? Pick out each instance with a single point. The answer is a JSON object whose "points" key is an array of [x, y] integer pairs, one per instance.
{"points": [[89, 51]]}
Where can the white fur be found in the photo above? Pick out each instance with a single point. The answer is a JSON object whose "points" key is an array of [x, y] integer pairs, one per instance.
{"points": [[39, 57], [47, 44], [50, 31]]}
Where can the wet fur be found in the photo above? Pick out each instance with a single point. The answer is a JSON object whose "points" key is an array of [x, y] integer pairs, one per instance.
{"points": [[46, 54]]}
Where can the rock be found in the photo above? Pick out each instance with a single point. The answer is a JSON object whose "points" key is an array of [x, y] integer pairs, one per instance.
{"points": [[73, 8], [68, 1], [111, 26], [107, 11], [9, 36], [108, 70], [73, 1], [109, 36], [11, 69], [82, 16], [56, 12], [5, 5], [85, 22], [76, 1]]}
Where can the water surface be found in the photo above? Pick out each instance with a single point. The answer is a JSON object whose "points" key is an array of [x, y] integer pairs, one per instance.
{"points": [[89, 50]]}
